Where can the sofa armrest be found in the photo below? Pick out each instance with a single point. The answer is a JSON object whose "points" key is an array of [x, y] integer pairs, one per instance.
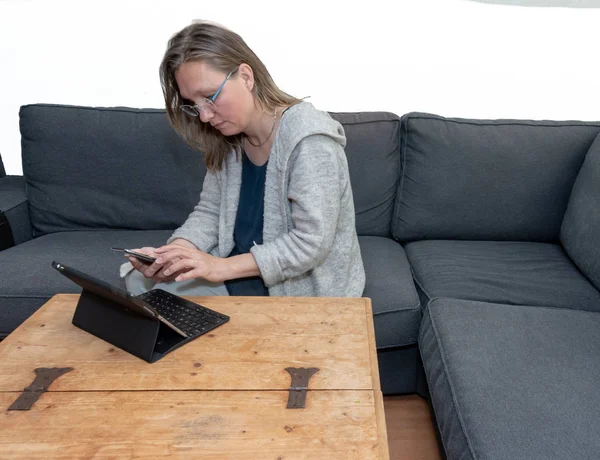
{"points": [[15, 223]]}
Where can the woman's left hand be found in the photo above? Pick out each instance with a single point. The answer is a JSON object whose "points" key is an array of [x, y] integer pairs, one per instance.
{"points": [[192, 261]]}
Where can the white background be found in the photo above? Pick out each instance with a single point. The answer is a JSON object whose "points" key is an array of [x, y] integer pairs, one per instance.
{"points": [[448, 57]]}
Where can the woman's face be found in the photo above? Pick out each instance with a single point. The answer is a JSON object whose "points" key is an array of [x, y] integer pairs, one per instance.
{"points": [[234, 104]]}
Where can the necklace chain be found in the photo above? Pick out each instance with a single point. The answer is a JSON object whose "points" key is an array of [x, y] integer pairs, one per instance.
{"points": [[270, 133]]}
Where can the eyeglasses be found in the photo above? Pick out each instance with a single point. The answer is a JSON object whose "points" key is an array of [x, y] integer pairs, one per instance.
{"points": [[208, 104]]}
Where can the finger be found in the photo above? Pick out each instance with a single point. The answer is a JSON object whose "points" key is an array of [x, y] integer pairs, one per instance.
{"points": [[171, 277], [160, 278], [172, 254], [149, 251], [196, 273], [136, 264], [171, 247], [140, 267], [183, 265], [153, 268], [164, 248]]}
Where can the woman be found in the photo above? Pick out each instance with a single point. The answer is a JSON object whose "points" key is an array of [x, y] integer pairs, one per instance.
{"points": [[276, 213]]}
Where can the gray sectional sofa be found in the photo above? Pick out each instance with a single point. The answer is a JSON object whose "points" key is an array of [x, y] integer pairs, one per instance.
{"points": [[480, 239]]}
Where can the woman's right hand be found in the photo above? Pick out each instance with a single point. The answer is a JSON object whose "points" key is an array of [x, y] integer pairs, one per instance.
{"points": [[154, 270]]}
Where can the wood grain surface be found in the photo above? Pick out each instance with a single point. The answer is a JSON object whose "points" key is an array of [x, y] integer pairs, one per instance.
{"points": [[223, 395]]}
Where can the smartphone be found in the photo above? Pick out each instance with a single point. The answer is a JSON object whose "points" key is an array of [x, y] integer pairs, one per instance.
{"points": [[141, 257]]}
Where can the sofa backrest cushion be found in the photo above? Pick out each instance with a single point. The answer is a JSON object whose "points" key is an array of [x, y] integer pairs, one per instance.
{"points": [[127, 168], [106, 168], [2, 170], [487, 179], [580, 231], [373, 153]]}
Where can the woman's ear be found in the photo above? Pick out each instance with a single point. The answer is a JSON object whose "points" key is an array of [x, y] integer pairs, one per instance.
{"points": [[247, 76]]}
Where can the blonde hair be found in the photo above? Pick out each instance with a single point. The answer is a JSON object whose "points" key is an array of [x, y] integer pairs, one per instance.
{"points": [[224, 50]]}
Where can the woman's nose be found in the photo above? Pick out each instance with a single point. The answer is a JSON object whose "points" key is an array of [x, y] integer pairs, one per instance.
{"points": [[206, 115]]}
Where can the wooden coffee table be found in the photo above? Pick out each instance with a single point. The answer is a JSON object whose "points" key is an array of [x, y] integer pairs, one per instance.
{"points": [[223, 395]]}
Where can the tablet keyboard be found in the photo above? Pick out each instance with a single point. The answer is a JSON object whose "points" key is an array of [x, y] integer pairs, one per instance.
{"points": [[189, 317]]}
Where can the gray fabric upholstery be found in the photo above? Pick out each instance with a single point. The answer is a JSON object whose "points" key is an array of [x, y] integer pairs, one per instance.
{"points": [[487, 179], [501, 272], [389, 285], [580, 231], [373, 152], [27, 279], [2, 170], [513, 382], [400, 369], [99, 168], [14, 205], [116, 170], [25, 273]]}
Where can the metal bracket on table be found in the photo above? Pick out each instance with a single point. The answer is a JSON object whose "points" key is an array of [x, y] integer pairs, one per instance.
{"points": [[299, 385], [44, 377]]}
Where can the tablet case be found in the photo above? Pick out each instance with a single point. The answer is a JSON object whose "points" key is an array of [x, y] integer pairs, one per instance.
{"points": [[142, 336]]}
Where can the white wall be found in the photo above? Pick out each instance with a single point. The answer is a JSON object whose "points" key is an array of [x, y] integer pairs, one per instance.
{"points": [[449, 57]]}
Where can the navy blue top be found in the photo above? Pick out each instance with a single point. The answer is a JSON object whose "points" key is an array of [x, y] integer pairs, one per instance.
{"points": [[248, 228]]}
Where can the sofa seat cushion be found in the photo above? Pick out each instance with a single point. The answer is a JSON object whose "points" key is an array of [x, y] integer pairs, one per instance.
{"points": [[27, 279], [389, 285], [580, 231], [511, 382], [501, 272]]}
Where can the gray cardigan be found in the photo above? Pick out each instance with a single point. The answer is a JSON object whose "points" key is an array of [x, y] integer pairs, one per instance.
{"points": [[310, 246]]}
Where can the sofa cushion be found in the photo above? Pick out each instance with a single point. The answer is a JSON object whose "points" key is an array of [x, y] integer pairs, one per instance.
{"points": [[511, 382], [106, 168], [580, 231], [15, 208], [373, 153], [27, 279], [389, 285], [502, 272], [487, 179]]}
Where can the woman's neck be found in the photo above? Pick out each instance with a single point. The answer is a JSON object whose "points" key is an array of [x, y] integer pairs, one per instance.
{"points": [[262, 127], [259, 138]]}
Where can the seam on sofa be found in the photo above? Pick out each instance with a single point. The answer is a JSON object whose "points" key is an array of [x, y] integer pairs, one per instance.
{"points": [[416, 280], [366, 122], [450, 384], [574, 265], [16, 206], [100, 109], [409, 340], [501, 123], [404, 345], [403, 133], [521, 306], [397, 311]]}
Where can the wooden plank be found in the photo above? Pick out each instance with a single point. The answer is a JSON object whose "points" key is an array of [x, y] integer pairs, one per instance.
{"points": [[177, 424], [251, 351], [411, 431], [378, 395]]}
